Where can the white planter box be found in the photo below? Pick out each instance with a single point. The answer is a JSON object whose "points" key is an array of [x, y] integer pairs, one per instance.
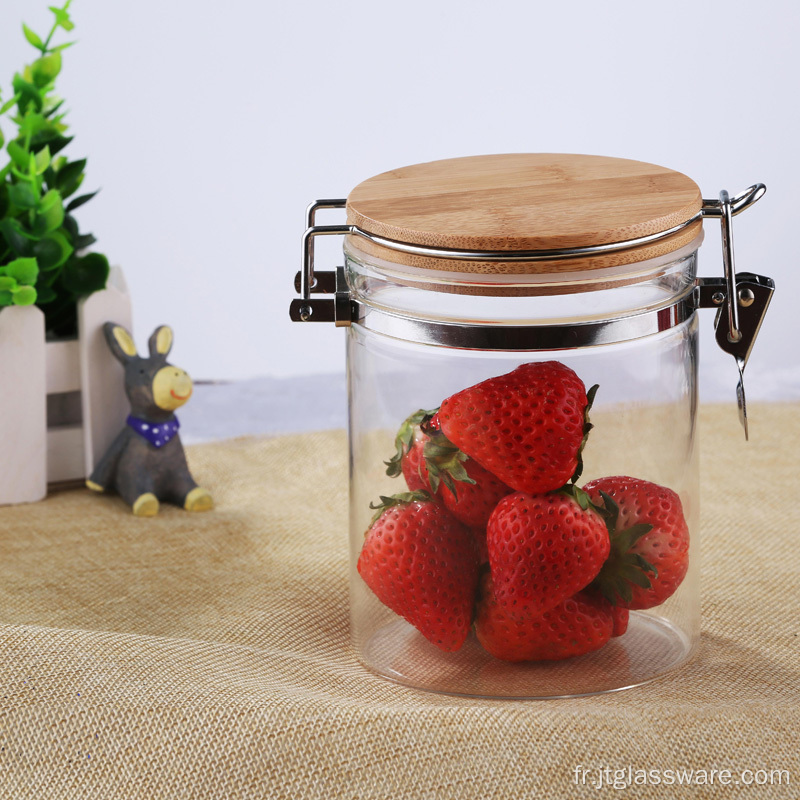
{"points": [[78, 381]]}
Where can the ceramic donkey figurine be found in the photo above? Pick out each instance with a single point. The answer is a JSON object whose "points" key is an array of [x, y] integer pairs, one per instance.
{"points": [[146, 463]]}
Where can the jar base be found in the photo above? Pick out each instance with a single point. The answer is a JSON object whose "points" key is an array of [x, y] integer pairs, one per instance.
{"points": [[651, 647]]}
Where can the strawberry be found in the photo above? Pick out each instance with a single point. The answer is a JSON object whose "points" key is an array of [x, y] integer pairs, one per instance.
{"points": [[421, 563], [527, 427], [468, 490], [430, 462], [575, 626], [479, 539], [544, 548], [620, 617], [649, 541]]}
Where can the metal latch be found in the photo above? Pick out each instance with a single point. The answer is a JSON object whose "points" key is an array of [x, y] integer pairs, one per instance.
{"points": [[339, 309], [741, 300]]}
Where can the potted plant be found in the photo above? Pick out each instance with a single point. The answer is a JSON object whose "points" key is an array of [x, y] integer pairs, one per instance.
{"points": [[61, 396]]}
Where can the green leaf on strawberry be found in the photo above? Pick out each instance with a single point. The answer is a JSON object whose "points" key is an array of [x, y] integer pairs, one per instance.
{"points": [[399, 499], [445, 462], [579, 496], [623, 567], [404, 440]]}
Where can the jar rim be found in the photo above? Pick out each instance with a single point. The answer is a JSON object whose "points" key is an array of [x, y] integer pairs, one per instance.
{"points": [[517, 282]]}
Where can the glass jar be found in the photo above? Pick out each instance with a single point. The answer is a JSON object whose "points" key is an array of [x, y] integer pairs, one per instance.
{"points": [[550, 546]]}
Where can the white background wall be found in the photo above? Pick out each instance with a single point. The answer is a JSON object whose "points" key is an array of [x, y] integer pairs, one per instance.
{"points": [[210, 126]]}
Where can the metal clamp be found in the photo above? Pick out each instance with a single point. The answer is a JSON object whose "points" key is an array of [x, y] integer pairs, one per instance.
{"points": [[741, 300], [339, 310]]}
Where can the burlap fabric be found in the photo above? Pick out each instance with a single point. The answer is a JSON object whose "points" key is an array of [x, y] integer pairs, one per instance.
{"points": [[207, 656]]}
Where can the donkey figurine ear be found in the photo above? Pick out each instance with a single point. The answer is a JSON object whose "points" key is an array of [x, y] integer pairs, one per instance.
{"points": [[160, 342], [120, 342]]}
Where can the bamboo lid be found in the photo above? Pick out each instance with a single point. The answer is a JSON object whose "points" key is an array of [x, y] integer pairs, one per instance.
{"points": [[528, 201]]}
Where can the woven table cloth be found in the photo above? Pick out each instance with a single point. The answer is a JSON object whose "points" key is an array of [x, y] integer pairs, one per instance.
{"points": [[207, 656]]}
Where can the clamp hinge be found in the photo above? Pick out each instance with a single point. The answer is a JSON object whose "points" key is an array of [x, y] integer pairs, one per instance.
{"points": [[340, 309], [753, 296]]}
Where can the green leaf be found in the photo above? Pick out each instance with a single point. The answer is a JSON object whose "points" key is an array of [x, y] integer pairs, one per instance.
{"points": [[87, 274], [85, 198], [68, 189], [34, 124], [42, 160], [48, 278], [29, 95], [52, 251], [400, 499], [5, 200], [32, 37], [640, 561], [7, 283], [45, 294], [53, 139], [45, 69], [9, 104], [68, 172], [22, 195], [444, 461], [50, 213], [84, 240], [23, 270], [19, 155], [6, 298], [610, 511], [405, 434], [49, 109], [62, 17], [70, 177], [71, 227], [18, 240], [62, 47], [635, 575], [24, 296], [628, 538]]}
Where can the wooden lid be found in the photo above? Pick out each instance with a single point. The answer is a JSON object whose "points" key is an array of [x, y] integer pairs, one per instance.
{"points": [[527, 201]]}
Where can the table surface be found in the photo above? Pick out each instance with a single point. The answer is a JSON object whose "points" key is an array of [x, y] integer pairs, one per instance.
{"points": [[207, 656]]}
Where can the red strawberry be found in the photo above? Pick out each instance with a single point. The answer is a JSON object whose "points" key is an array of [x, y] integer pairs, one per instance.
{"points": [[543, 549], [620, 617], [430, 462], [577, 625], [413, 464], [465, 487], [421, 563], [481, 550], [527, 427], [649, 541]]}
